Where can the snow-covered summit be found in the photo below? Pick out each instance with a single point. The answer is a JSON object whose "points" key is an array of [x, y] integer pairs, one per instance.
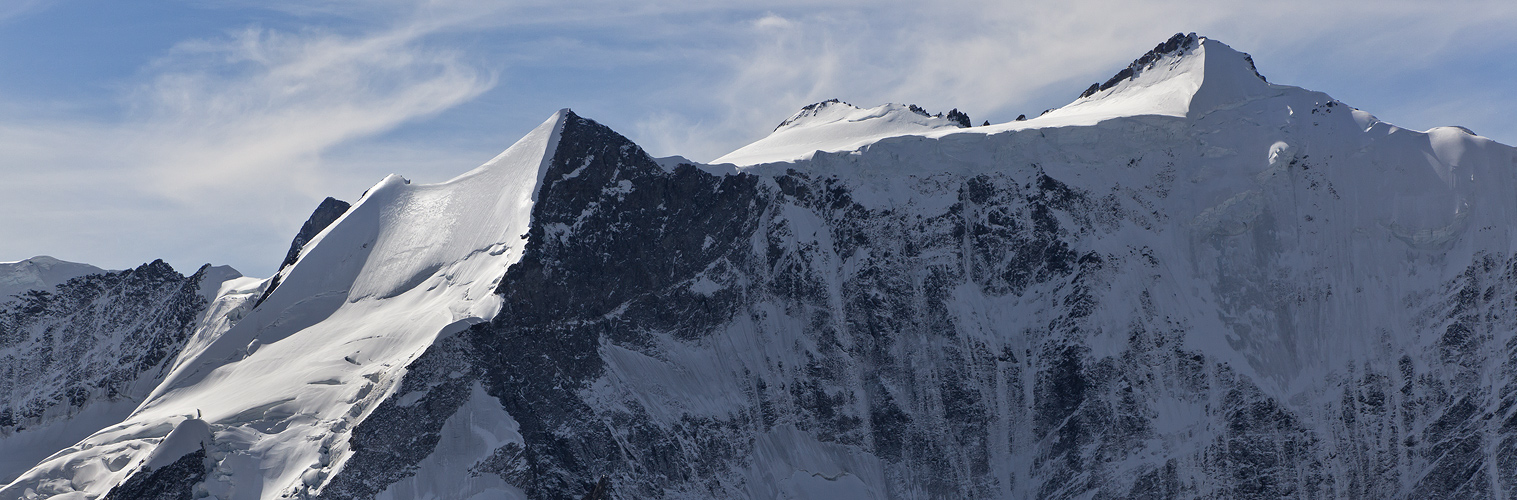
{"points": [[454, 238], [1179, 45], [834, 125], [39, 273], [1187, 76]]}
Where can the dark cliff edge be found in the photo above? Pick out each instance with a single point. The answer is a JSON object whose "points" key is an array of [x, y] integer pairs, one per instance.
{"points": [[175, 481], [542, 347], [325, 214]]}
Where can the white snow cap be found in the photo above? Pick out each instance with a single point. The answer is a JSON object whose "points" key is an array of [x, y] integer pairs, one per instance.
{"points": [[834, 125], [38, 273], [1187, 76]]}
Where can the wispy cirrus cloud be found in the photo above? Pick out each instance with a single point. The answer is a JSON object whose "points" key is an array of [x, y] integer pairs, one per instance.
{"points": [[223, 135], [261, 106]]}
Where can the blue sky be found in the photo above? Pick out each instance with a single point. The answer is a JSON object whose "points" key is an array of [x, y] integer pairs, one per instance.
{"points": [[206, 131]]}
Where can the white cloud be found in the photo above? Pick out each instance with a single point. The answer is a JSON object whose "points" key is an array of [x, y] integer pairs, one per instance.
{"points": [[771, 21], [227, 135]]}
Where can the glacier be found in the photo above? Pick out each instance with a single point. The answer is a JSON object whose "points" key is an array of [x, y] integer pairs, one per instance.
{"points": [[1187, 283]]}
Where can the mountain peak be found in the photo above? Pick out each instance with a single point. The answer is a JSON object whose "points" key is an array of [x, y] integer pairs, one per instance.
{"points": [[1180, 45], [1186, 75], [812, 110], [38, 273]]}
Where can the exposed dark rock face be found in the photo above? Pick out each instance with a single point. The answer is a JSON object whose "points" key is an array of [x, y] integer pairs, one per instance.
{"points": [[666, 228], [611, 259], [543, 346], [325, 214], [868, 349], [960, 118], [175, 481], [954, 115], [399, 434], [95, 338]]}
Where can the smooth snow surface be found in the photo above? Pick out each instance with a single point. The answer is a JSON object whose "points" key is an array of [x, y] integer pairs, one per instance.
{"points": [[280, 386]]}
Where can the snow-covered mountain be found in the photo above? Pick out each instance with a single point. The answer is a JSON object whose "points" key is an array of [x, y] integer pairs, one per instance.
{"points": [[1187, 283]]}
